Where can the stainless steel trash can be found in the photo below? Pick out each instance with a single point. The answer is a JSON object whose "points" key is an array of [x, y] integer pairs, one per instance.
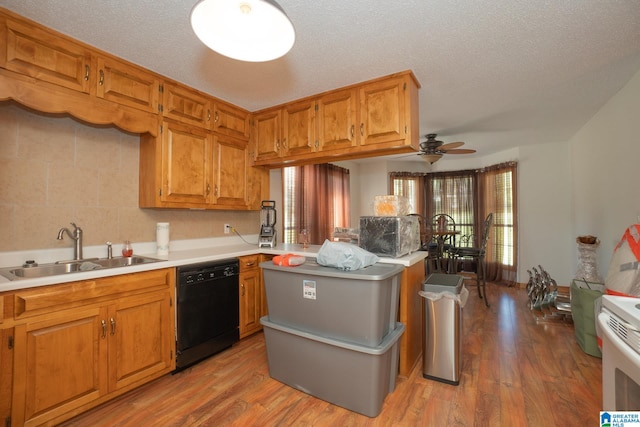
{"points": [[442, 349]]}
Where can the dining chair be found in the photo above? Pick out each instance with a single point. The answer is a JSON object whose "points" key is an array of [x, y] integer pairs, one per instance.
{"points": [[476, 254], [443, 231]]}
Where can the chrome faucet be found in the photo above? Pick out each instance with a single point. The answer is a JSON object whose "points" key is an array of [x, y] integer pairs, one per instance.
{"points": [[76, 236]]}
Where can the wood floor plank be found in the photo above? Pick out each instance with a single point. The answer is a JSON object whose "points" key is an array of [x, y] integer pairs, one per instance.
{"points": [[517, 369]]}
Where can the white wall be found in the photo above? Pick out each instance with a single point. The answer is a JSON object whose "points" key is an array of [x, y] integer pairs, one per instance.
{"points": [[605, 155]]}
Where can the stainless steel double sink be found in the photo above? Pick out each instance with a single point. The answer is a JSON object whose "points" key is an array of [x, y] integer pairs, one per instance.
{"points": [[32, 271]]}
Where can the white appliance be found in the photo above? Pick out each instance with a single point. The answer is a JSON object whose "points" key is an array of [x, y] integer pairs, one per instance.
{"points": [[619, 324]]}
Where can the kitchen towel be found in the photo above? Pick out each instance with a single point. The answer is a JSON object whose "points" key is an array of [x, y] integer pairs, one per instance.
{"points": [[162, 238]]}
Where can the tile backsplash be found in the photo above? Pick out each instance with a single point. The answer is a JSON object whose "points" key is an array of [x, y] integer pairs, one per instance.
{"points": [[55, 170]]}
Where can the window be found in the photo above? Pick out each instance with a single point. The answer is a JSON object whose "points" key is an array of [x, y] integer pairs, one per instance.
{"points": [[315, 198], [469, 196]]}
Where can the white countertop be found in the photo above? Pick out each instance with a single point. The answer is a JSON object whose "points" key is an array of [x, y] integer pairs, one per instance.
{"points": [[218, 250]]}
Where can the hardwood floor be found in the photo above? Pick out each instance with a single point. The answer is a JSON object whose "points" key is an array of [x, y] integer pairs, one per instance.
{"points": [[518, 370]]}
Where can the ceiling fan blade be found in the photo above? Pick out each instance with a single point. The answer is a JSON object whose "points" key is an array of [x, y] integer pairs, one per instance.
{"points": [[451, 145], [459, 151]]}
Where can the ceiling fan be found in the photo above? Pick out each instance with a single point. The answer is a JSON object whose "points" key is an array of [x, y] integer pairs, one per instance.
{"points": [[432, 149]]}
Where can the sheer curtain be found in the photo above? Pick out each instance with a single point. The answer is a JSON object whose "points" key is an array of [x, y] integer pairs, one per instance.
{"points": [[498, 194], [316, 198], [411, 186], [453, 193]]}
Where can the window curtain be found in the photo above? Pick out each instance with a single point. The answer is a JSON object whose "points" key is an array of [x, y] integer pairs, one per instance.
{"points": [[453, 193], [316, 199], [411, 186], [497, 194]]}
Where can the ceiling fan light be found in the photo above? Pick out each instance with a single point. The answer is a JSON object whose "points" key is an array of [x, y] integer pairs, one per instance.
{"points": [[432, 158], [246, 30]]}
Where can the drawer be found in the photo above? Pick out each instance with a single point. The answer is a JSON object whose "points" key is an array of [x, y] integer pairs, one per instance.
{"points": [[46, 299], [249, 262]]}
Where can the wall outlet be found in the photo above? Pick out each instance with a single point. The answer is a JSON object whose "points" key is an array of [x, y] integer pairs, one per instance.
{"points": [[227, 228]]}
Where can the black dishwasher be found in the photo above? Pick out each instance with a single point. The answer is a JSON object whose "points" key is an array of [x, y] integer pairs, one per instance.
{"points": [[207, 312]]}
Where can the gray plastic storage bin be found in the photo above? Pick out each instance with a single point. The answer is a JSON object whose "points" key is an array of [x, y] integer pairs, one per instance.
{"points": [[442, 355], [352, 376], [359, 306]]}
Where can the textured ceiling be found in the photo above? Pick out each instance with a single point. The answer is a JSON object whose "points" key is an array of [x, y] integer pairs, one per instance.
{"points": [[494, 73]]}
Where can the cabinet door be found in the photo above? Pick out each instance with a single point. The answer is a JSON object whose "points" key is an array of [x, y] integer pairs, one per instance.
{"points": [[127, 85], [257, 187], [43, 55], [6, 369], [59, 365], [141, 335], [231, 121], [382, 112], [267, 134], [186, 164], [186, 105], [337, 116], [299, 128], [231, 161], [250, 302]]}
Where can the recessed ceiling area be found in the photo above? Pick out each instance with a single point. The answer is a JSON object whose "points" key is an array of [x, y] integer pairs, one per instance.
{"points": [[494, 74]]}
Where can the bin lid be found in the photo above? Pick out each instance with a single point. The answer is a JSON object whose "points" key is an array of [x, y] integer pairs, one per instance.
{"points": [[438, 282], [377, 271]]}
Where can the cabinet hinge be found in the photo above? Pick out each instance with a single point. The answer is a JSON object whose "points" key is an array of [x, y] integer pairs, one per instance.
{"points": [[404, 86], [170, 302], [7, 422], [10, 343], [161, 88], [161, 129], [160, 192], [317, 108], [170, 354], [405, 129], [160, 108]]}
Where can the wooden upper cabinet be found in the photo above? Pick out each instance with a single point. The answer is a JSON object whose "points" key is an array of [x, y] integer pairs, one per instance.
{"points": [[337, 116], [231, 121], [373, 118], [186, 165], [127, 84], [299, 128], [186, 105], [191, 167], [383, 112], [44, 55], [231, 163], [267, 133]]}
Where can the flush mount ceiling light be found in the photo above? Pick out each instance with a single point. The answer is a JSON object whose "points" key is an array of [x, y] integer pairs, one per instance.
{"points": [[247, 30]]}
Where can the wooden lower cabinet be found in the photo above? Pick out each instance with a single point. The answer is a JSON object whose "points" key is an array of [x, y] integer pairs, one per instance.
{"points": [[69, 360], [250, 288]]}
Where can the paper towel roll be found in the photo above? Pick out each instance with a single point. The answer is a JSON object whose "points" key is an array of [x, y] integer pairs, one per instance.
{"points": [[162, 238]]}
